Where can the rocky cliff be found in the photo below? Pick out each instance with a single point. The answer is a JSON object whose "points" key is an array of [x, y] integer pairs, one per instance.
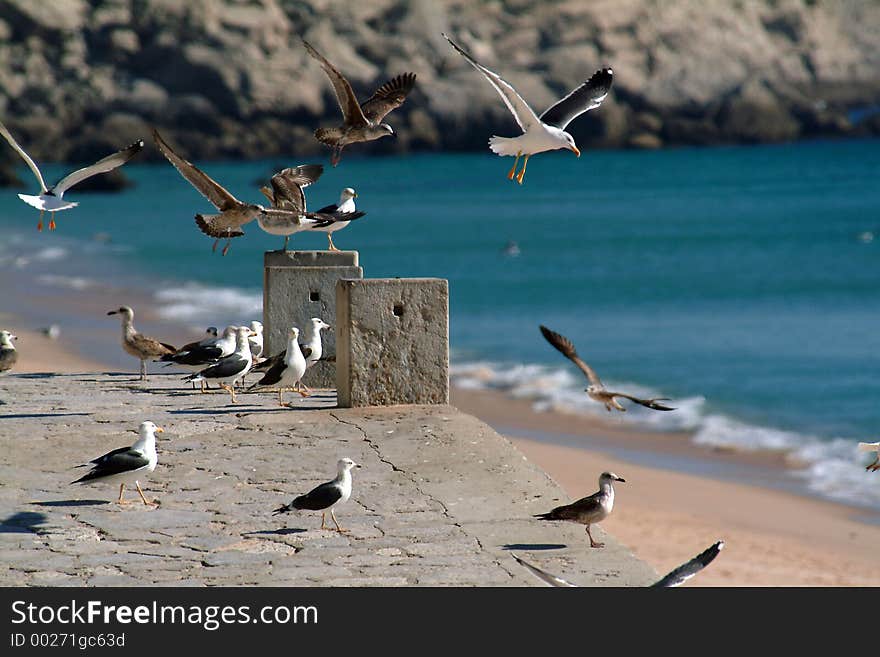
{"points": [[229, 78]]}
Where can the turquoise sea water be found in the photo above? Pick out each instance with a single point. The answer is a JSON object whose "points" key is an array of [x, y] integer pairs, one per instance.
{"points": [[740, 281]]}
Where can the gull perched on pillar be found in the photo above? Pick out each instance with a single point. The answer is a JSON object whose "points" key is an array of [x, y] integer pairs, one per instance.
{"points": [[874, 465], [126, 465], [596, 390], [8, 353], [345, 206], [545, 132], [676, 577], [137, 344], [325, 497], [233, 213], [50, 199], [361, 122], [588, 510]]}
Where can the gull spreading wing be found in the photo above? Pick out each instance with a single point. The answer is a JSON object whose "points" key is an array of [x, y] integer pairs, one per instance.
{"points": [[684, 572], [287, 186], [104, 165], [543, 575], [351, 109], [388, 97], [27, 158], [647, 403], [585, 97], [207, 186], [565, 346], [524, 115]]}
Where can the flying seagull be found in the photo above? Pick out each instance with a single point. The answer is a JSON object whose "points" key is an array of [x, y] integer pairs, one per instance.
{"points": [[362, 122], [137, 344], [874, 465], [288, 214], [286, 371], [8, 354], [126, 464], [50, 198], [233, 213], [345, 206], [676, 577], [596, 390], [545, 132], [588, 510], [229, 368], [326, 496]]}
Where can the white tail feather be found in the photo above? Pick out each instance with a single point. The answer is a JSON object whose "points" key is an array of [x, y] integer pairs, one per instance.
{"points": [[504, 145]]}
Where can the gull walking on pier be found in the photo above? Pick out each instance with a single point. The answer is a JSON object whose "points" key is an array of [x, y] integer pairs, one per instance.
{"points": [[588, 510], [325, 497]]}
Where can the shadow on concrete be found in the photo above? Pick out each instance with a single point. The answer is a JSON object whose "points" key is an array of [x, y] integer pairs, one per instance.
{"points": [[534, 546], [284, 531], [214, 411], [36, 375], [51, 503], [13, 416], [23, 522]]}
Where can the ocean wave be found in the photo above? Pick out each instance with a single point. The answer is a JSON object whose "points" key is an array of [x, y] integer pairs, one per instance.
{"points": [[829, 467], [207, 305], [69, 282]]}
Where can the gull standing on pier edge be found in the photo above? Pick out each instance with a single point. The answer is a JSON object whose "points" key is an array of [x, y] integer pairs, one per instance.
{"points": [[326, 496], [588, 510]]}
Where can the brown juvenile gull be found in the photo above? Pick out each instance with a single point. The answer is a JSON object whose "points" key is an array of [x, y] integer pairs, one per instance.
{"points": [[288, 214], [588, 510], [676, 577], [326, 496], [545, 132], [50, 198], [596, 390], [126, 464], [362, 122], [874, 465], [137, 344], [233, 213], [8, 353]]}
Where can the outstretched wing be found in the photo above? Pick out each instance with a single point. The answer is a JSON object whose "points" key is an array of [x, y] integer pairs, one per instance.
{"points": [[543, 575], [109, 163], [586, 97], [207, 186], [27, 158], [388, 97], [351, 109], [565, 346], [647, 403], [287, 186], [684, 572], [525, 116]]}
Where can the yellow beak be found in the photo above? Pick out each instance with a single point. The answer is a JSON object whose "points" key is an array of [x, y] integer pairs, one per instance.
{"points": [[160, 430], [574, 149]]}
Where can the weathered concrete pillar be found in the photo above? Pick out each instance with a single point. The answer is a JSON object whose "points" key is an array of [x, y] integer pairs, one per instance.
{"points": [[392, 342], [299, 285]]}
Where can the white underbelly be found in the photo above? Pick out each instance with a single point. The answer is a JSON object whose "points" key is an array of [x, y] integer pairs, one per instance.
{"points": [[47, 202]]}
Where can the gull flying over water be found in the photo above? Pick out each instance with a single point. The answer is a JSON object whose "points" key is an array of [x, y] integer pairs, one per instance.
{"points": [[126, 464], [874, 465], [588, 510], [137, 344], [362, 122], [545, 132], [676, 577], [288, 214], [596, 390], [326, 496], [233, 213], [50, 199]]}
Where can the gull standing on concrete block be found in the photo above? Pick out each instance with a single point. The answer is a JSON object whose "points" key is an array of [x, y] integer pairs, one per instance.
{"points": [[547, 132], [874, 465], [286, 371], [8, 354], [138, 345], [676, 577], [229, 368], [126, 464], [326, 496], [360, 122], [50, 198], [588, 510], [233, 213], [596, 390], [345, 206]]}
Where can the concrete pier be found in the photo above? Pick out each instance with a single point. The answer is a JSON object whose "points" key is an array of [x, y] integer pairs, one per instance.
{"points": [[299, 285]]}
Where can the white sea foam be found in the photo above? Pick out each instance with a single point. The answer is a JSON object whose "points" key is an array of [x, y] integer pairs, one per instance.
{"points": [[831, 468], [70, 282], [206, 305]]}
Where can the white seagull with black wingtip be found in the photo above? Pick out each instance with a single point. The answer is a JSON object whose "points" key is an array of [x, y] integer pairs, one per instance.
{"points": [[126, 464], [231, 368], [286, 371], [326, 496], [50, 199], [545, 132], [676, 577]]}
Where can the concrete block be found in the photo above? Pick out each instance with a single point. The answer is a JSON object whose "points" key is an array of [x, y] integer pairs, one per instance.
{"points": [[299, 285], [392, 341]]}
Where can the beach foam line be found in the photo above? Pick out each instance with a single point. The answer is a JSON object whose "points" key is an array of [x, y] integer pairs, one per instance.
{"points": [[830, 467], [209, 306]]}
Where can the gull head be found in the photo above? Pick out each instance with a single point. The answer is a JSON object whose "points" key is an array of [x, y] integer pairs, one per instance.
{"points": [[293, 333], [256, 327], [229, 331], [125, 311], [147, 428], [212, 331], [385, 130], [592, 389], [347, 193], [569, 140], [318, 324], [345, 465], [608, 477], [6, 339]]}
